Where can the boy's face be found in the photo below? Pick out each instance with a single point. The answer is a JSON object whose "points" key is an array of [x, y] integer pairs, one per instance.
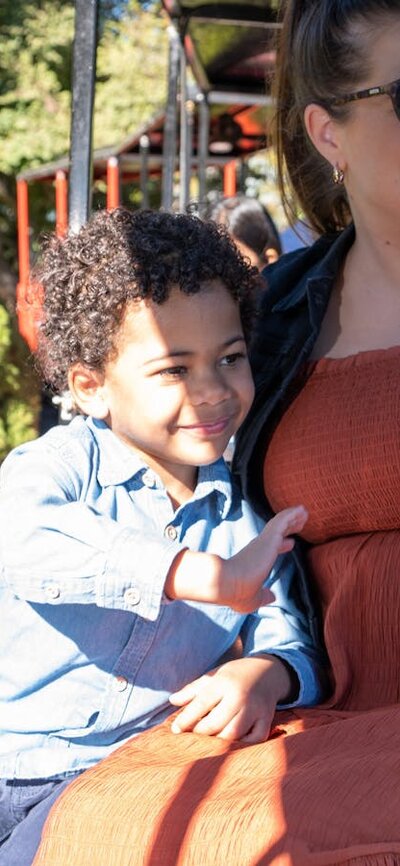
{"points": [[181, 384]]}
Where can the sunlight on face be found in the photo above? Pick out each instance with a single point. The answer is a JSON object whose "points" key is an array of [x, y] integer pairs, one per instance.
{"points": [[181, 384]]}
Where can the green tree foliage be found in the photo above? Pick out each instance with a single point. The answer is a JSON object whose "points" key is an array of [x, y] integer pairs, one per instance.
{"points": [[35, 76], [131, 73], [19, 401], [36, 40]]}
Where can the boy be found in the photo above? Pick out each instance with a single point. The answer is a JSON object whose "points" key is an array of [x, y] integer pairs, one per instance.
{"points": [[130, 561]]}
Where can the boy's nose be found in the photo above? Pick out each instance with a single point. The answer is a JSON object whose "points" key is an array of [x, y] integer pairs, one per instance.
{"points": [[210, 388]]}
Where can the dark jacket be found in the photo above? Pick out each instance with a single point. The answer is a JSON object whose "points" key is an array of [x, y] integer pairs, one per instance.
{"points": [[289, 321]]}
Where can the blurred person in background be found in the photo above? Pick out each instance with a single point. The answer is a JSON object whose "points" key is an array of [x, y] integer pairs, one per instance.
{"points": [[251, 227]]}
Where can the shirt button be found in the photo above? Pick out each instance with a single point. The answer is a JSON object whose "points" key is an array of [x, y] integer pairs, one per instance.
{"points": [[170, 532], [120, 684], [148, 479], [52, 591], [132, 596]]}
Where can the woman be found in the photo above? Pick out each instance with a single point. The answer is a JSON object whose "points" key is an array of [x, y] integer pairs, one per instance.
{"points": [[323, 430], [325, 421]]}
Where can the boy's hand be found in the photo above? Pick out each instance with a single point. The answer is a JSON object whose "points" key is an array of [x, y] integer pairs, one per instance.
{"points": [[236, 582], [236, 701], [245, 572]]}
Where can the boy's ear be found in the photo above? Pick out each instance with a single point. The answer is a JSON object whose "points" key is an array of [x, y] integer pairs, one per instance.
{"points": [[324, 133], [86, 387]]}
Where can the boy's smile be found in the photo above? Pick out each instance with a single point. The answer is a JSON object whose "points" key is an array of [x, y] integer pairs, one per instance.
{"points": [[180, 385]]}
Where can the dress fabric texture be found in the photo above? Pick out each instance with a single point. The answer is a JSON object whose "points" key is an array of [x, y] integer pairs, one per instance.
{"points": [[324, 790]]}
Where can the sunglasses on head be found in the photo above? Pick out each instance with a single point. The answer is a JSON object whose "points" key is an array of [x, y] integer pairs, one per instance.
{"points": [[392, 90]]}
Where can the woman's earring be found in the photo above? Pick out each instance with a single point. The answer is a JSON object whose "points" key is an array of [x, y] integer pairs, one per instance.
{"points": [[337, 175]]}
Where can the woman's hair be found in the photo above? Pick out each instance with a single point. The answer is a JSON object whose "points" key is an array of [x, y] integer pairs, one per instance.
{"points": [[247, 221], [323, 53], [121, 256]]}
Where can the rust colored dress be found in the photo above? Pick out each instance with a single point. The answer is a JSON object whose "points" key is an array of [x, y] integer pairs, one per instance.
{"points": [[325, 789]]}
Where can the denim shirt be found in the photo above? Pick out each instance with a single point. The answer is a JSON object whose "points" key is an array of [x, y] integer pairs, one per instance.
{"points": [[90, 648]]}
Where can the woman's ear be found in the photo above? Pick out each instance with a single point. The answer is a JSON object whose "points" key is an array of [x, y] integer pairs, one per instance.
{"points": [[87, 390], [325, 134]]}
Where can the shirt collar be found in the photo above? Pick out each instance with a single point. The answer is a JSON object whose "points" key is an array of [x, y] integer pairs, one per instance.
{"points": [[118, 464], [215, 477]]}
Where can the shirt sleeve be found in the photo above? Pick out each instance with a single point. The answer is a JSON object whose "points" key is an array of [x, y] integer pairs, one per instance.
{"points": [[56, 549], [281, 629]]}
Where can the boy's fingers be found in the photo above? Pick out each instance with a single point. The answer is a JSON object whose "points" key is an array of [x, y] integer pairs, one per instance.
{"points": [[287, 545], [199, 707], [244, 729], [217, 719], [237, 727], [178, 699], [289, 518], [259, 733], [234, 725], [292, 519], [191, 690]]}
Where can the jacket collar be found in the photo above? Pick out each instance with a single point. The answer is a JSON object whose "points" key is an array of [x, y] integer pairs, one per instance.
{"points": [[309, 271]]}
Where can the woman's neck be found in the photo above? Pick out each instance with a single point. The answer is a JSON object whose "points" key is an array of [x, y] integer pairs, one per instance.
{"points": [[374, 258], [364, 309]]}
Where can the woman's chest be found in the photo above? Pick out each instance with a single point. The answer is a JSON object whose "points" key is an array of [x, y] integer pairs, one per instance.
{"points": [[337, 447]]}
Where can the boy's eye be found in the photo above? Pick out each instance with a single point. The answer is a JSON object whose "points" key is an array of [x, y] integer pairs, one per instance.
{"points": [[173, 372], [230, 360]]}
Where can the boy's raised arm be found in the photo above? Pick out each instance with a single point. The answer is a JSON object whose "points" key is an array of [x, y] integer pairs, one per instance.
{"points": [[56, 548]]}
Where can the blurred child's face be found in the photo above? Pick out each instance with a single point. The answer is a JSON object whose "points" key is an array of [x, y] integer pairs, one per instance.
{"points": [[269, 255], [181, 384]]}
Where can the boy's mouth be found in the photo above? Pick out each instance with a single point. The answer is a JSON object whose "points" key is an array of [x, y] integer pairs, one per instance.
{"points": [[205, 429]]}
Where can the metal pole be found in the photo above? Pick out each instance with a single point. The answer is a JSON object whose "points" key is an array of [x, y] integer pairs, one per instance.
{"points": [[243, 174], [170, 123], [113, 186], [184, 168], [144, 145], [230, 184], [23, 312], [28, 295], [202, 154], [83, 78], [189, 144], [23, 232], [61, 203]]}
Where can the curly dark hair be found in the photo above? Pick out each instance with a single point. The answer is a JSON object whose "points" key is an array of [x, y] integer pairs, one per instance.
{"points": [[119, 256]]}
